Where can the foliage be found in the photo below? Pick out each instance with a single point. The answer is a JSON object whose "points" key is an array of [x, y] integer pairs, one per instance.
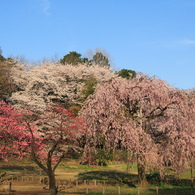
{"points": [[102, 156], [89, 87], [145, 116], [1, 56], [99, 56], [128, 74], [75, 108], [6, 82], [73, 58], [100, 59]]}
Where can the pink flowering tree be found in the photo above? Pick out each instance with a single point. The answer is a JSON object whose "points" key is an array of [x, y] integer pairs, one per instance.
{"points": [[147, 117], [15, 137], [62, 133], [47, 139]]}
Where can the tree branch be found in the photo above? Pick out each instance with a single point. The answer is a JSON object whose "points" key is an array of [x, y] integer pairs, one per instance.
{"points": [[33, 154]]}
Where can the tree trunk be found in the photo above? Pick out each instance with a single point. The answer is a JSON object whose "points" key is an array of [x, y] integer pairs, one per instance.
{"points": [[52, 184], [143, 183]]}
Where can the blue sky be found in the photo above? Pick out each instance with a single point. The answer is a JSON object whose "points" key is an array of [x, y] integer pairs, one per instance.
{"points": [[155, 37]]}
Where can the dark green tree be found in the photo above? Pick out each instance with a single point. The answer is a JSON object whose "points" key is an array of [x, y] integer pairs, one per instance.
{"points": [[100, 59], [85, 60], [128, 74], [89, 87], [73, 58], [6, 83], [1, 56]]}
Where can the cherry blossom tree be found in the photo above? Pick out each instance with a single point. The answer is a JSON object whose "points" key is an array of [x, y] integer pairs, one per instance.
{"points": [[188, 134], [53, 82], [48, 139], [144, 115]]}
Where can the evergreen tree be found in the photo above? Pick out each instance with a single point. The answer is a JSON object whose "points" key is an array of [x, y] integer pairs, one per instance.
{"points": [[128, 74], [73, 58], [6, 82], [100, 59]]}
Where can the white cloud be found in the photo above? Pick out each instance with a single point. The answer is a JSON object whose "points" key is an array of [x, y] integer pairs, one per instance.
{"points": [[175, 43], [187, 42], [46, 6]]}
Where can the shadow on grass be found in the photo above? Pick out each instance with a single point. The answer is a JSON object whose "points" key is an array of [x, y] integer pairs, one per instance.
{"points": [[154, 179], [17, 168], [21, 170], [110, 177]]}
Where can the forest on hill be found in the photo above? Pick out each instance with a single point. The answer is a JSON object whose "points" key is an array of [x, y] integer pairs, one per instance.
{"points": [[81, 106]]}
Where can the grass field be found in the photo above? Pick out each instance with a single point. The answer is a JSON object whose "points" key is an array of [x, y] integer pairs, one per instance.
{"points": [[82, 179]]}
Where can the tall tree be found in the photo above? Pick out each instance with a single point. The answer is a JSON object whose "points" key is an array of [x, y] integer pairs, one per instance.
{"points": [[100, 59], [144, 115], [73, 58], [99, 56], [1, 56], [6, 82]]}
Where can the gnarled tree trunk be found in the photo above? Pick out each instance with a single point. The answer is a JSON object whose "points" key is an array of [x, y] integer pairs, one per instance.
{"points": [[143, 183]]}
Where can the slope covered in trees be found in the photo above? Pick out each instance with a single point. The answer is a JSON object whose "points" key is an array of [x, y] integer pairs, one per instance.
{"points": [[123, 111]]}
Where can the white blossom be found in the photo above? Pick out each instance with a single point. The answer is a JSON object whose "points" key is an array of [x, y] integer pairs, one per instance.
{"points": [[48, 82]]}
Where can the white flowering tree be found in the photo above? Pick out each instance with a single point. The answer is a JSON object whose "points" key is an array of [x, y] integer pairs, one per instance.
{"points": [[54, 82]]}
